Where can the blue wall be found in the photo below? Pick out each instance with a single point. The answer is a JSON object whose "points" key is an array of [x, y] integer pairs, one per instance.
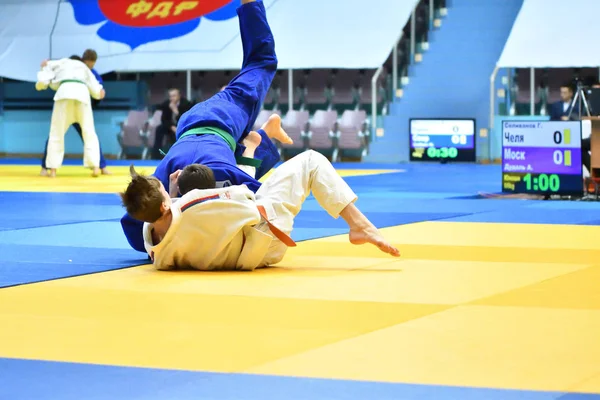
{"points": [[25, 132], [453, 80]]}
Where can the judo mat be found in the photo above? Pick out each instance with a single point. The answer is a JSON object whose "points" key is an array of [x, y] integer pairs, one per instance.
{"points": [[491, 299]]}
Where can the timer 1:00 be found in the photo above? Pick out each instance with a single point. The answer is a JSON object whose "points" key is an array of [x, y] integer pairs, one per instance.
{"points": [[542, 182]]}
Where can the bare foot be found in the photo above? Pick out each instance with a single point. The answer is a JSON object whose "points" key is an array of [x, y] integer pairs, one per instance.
{"points": [[44, 172], [96, 172], [52, 173], [372, 235], [252, 140], [105, 171], [274, 130]]}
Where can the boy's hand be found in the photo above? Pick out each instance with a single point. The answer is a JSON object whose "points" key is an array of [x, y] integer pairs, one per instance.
{"points": [[173, 186]]}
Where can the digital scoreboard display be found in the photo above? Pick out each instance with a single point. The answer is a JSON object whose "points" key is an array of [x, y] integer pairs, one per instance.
{"points": [[542, 157], [442, 140]]}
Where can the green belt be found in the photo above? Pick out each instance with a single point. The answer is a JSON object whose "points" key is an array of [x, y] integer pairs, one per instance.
{"points": [[209, 130], [72, 81]]}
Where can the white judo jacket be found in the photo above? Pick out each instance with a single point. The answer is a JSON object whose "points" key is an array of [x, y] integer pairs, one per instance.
{"points": [[213, 229], [71, 79]]}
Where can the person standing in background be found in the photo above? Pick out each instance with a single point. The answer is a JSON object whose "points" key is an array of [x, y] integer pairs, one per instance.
{"points": [[89, 58], [75, 85]]}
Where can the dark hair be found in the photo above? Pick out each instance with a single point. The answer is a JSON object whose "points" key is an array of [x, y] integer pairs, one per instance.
{"points": [[89, 55], [196, 176], [75, 57], [567, 85], [143, 197]]}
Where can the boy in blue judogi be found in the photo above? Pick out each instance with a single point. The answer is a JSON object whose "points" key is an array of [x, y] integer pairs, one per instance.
{"points": [[211, 132]]}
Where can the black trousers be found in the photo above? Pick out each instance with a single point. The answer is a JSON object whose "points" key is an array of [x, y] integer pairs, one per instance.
{"points": [[586, 159], [163, 132]]}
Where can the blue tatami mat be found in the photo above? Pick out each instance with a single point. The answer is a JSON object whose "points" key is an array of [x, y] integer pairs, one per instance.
{"points": [[32, 379], [47, 209], [53, 252], [455, 178], [533, 215], [103, 235], [57, 199], [53, 228], [23, 264]]}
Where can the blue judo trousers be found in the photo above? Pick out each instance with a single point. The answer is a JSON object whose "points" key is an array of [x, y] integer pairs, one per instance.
{"points": [[232, 110]]}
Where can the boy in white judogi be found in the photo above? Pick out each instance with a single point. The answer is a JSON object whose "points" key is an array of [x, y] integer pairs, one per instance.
{"points": [[231, 228], [74, 83]]}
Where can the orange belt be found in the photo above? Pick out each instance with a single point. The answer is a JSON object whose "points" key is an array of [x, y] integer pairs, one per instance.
{"points": [[285, 239]]}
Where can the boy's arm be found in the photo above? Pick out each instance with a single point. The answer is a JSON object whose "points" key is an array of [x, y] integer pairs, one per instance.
{"points": [[133, 230], [47, 74], [96, 89], [173, 186], [98, 76]]}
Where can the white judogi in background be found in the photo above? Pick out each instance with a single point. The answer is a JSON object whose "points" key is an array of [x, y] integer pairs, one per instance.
{"points": [[218, 229], [74, 83]]}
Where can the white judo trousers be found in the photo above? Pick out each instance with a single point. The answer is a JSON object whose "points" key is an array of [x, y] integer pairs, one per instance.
{"points": [[74, 84], [284, 192], [65, 113]]}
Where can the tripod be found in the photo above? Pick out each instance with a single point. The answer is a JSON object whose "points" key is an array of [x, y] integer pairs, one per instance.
{"points": [[579, 98]]}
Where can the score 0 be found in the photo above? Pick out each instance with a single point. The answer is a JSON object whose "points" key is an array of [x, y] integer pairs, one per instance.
{"points": [[562, 157]]}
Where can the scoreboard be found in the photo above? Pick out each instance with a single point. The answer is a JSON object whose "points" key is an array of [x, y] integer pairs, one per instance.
{"points": [[542, 157], [442, 140]]}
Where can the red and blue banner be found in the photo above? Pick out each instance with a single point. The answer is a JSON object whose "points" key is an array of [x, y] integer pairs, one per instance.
{"points": [[137, 22], [197, 35]]}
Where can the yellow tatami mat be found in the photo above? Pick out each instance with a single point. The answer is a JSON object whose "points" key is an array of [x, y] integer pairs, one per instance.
{"points": [[468, 304], [19, 178]]}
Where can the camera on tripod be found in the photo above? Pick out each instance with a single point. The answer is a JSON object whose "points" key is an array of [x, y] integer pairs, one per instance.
{"points": [[580, 99]]}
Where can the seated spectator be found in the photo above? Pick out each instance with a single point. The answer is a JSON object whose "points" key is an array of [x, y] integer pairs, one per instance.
{"points": [[560, 110], [172, 110]]}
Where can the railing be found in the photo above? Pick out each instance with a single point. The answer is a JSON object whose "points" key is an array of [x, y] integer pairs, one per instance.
{"points": [[433, 6], [23, 96]]}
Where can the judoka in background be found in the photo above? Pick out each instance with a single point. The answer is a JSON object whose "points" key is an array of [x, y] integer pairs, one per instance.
{"points": [[75, 84]]}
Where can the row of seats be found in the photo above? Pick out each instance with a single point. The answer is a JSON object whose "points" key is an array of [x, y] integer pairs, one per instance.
{"points": [[137, 133], [318, 86], [324, 132]]}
